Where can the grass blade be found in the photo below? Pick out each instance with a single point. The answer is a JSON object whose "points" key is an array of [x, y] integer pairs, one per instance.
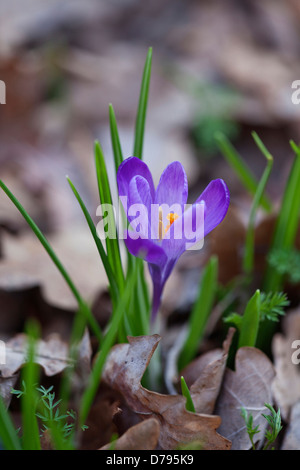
{"points": [[112, 243], [31, 438], [83, 307], [103, 255], [250, 322], [142, 107], [8, 435], [287, 222], [249, 244], [200, 313], [115, 140], [108, 342], [283, 238], [186, 393], [241, 169]]}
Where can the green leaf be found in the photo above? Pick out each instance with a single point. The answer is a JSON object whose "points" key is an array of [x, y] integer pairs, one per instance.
{"points": [[142, 108], [200, 312], [241, 169], [235, 319], [286, 261], [249, 244], [30, 373], [8, 434], [272, 305], [109, 339], [115, 140], [186, 393], [283, 238], [287, 222], [250, 322], [112, 242], [103, 255]]}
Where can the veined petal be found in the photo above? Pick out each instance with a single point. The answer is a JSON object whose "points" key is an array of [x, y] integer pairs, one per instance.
{"points": [[216, 199], [173, 186], [139, 205], [147, 250], [129, 168]]}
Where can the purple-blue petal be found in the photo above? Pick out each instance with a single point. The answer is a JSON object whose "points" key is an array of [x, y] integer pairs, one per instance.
{"points": [[130, 168], [147, 250], [173, 186], [216, 201]]}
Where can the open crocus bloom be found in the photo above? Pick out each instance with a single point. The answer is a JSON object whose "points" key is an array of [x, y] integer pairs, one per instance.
{"points": [[164, 227]]}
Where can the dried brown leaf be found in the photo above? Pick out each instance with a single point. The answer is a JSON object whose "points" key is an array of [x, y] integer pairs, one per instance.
{"points": [[249, 386], [6, 384], [124, 370], [286, 385], [51, 354], [291, 440], [211, 367], [142, 436]]}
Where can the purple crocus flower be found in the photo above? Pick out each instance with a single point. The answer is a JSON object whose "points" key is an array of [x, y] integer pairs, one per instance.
{"points": [[154, 237]]}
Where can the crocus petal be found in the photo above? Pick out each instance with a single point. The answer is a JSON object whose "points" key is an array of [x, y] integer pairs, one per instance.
{"points": [[129, 168], [147, 250], [173, 186], [139, 205], [216, 200]]}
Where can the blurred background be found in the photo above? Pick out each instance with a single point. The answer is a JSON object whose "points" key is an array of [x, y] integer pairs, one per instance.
{"points": [[218, 65]]}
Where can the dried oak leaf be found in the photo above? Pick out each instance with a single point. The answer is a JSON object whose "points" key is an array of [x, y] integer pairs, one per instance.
{"points": [[52, 354], [211, 367], [123, 372], [142, 436], [6, 384], [286, 386], [249, 386], [291, 440]]}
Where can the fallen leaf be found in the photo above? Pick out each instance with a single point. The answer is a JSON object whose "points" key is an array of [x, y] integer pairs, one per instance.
{"points": [[211, 367], [123, 372], [249, 386], [286, 385], [52, 354], [291, 440], [6, 384], [142, 436]]}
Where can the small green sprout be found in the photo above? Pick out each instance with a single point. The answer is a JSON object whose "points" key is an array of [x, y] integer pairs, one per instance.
{"points": [[274, 421], [49, 412], [249, 423]]}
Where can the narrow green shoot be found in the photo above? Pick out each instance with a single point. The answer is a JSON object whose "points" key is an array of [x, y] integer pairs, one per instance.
{"points": [[186, 393], [82, 306], [200, 313], [102, 253], [8, 435], [241, 168], [109, 339], [248, 261], [283, 238], [115, 140], [112, 242], [250, 322], [287, 222], [30, 373], [142, 108]]}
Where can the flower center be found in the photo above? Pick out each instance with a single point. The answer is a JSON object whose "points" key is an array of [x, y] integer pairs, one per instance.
{"points": [[171, 217]]}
